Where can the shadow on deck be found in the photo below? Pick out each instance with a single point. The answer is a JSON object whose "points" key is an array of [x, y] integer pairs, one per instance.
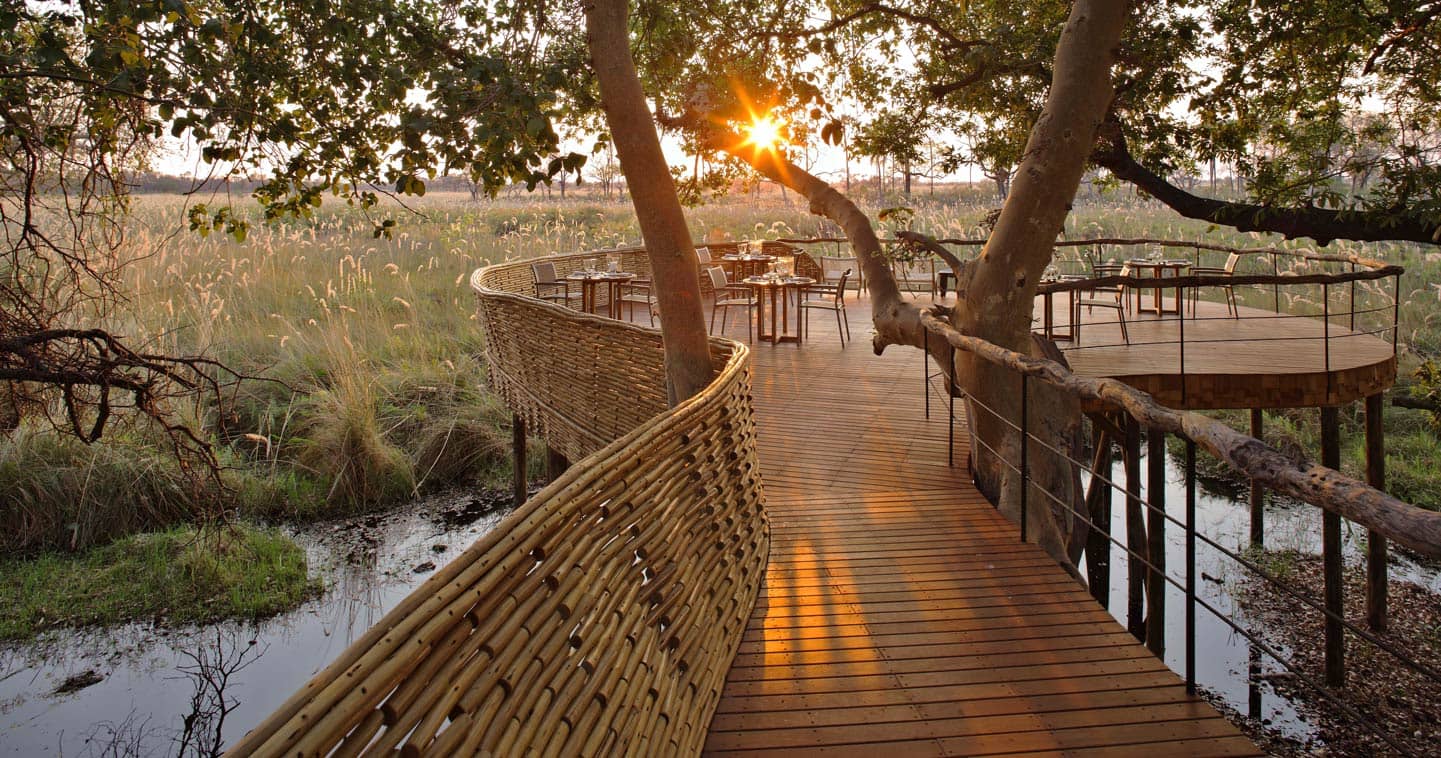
{"points": [[900, 612]]}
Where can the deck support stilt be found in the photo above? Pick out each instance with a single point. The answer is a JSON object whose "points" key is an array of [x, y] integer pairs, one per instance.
{"points": [[517, 458], [1376, 549], [1258, 492], [555, 464], [1331, 556], [1135, 535], [1156, 533]]}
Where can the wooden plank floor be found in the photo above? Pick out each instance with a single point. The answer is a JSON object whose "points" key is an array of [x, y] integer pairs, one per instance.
{"points": [[901, 614]]}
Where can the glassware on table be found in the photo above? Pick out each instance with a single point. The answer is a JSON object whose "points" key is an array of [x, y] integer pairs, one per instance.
{"points": [[612, 264], [588, 265], [1156, 253], [1051, 273]]}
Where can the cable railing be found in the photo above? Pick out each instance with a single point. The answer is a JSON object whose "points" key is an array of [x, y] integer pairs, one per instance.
{"points": [[1128, 413], [602, 615]]}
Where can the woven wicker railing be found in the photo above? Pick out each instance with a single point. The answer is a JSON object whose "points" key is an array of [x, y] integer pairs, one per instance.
{"points": [[602, 615]]}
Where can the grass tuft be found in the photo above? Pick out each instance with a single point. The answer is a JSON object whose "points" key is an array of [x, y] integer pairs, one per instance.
{"points": [[178, 576]]}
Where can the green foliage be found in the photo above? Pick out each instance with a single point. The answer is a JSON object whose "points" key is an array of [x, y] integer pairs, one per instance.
{"points": [[177, 576], [1427, 387]]}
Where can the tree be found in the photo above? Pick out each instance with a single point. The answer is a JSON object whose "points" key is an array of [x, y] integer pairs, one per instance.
{"points": [[1217, 79], [353, 98], [895, 135]]}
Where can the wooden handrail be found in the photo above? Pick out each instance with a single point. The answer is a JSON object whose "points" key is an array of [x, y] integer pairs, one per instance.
{"points": [[1416, 528]]}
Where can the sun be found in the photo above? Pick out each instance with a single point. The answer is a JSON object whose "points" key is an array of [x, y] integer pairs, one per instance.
{"points": [[765, 132]]}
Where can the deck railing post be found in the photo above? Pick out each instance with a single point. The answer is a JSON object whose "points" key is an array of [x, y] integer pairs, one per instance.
{"points": [[1025, 454], [1395, 313], [1276, 285], [1376, 552], [1156, 533], [1182, 321], [951, 410], [1258, 492], [1353, 298], [1326, 335], [1331, 556], [1190, 566], [926, 380], [517, 458], [1135, 534]]}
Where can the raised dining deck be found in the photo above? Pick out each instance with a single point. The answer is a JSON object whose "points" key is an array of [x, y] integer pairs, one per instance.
{"points": [[900, 612]]}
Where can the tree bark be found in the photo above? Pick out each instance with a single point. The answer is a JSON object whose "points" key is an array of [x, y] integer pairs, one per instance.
{"points": [[674, 269], [999, 297]]}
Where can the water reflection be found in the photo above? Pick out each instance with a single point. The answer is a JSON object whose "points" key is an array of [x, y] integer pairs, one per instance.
{"points": [[141, 690]]}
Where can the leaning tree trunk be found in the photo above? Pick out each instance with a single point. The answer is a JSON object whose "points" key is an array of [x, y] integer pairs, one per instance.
{"points": [[1000, 294], [674, 269]]}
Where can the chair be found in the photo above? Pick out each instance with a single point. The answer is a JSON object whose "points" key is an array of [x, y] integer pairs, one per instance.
{"points": [[913, 273], [833, 298], [638, 293], [1101, 297], [546, 283], [726, 296], [1229, 270], [702, 255]]}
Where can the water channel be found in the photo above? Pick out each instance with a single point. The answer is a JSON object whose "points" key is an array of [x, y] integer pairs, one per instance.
{"points": [[142, 690]]}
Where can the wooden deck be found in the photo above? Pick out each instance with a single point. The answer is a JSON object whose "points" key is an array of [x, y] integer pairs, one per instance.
{"points": [[901, 614], [1255, 361]]}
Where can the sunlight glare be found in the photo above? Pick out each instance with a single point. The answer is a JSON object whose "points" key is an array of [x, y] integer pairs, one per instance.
{"points": [[765, 132]]}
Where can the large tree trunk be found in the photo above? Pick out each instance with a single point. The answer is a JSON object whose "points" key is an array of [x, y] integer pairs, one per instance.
{"points": [[999, 296], [674, 269]]}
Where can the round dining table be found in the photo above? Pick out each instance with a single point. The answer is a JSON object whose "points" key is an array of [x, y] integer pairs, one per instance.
{"points": [[1159, 268], [776, 290], [589, 280]]}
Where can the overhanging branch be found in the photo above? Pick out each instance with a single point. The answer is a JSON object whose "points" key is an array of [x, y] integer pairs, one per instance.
{"points": [[1320, 224]]}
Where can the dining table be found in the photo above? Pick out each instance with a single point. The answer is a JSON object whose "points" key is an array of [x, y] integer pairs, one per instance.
{"points": [[1048, 289], [775, 291], [1159, 268], [589, 281], [745, 265]]}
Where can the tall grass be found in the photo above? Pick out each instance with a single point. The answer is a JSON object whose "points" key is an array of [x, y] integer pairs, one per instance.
{"points": [[372, 385]]}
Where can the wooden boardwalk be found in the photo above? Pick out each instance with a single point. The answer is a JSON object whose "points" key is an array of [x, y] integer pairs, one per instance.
{"points": [[901, 615]]}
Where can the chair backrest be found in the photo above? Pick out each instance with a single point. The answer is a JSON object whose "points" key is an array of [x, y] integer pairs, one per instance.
{"points": [[702, 254], [717, 277], [832, 266], [841, 287], [544, 273], [1231, 261]]}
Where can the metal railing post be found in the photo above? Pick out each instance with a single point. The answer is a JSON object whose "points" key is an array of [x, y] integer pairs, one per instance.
{"points": [[1353, 299], [1190, 566], [951, 411], [1025, 453], [1326, 335]]}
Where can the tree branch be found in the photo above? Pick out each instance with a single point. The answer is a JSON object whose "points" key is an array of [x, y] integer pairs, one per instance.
{"points": [[1320, 224]]}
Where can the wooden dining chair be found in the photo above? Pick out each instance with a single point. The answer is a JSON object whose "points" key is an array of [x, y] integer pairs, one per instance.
{"points": [[550, 287], [832, 297], [1229, 270], [725, 296], [1107, 296]]}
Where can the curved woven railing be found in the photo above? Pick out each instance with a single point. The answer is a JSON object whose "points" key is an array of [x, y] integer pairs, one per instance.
{"points": [[602, 615]]}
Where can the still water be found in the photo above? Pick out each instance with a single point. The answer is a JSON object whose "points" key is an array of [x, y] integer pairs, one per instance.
{"points": [[139, 690]]}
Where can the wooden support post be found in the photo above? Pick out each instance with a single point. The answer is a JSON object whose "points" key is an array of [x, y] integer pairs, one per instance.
{"points": [[1098, 506], [517, 457], [1156, 533], [555, 464], [1376, 548], [1135, 535], [1258, 493], [1331, 557]]}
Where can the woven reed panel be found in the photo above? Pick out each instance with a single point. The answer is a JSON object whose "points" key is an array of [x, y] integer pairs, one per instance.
{"points": [[598, 618]]}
